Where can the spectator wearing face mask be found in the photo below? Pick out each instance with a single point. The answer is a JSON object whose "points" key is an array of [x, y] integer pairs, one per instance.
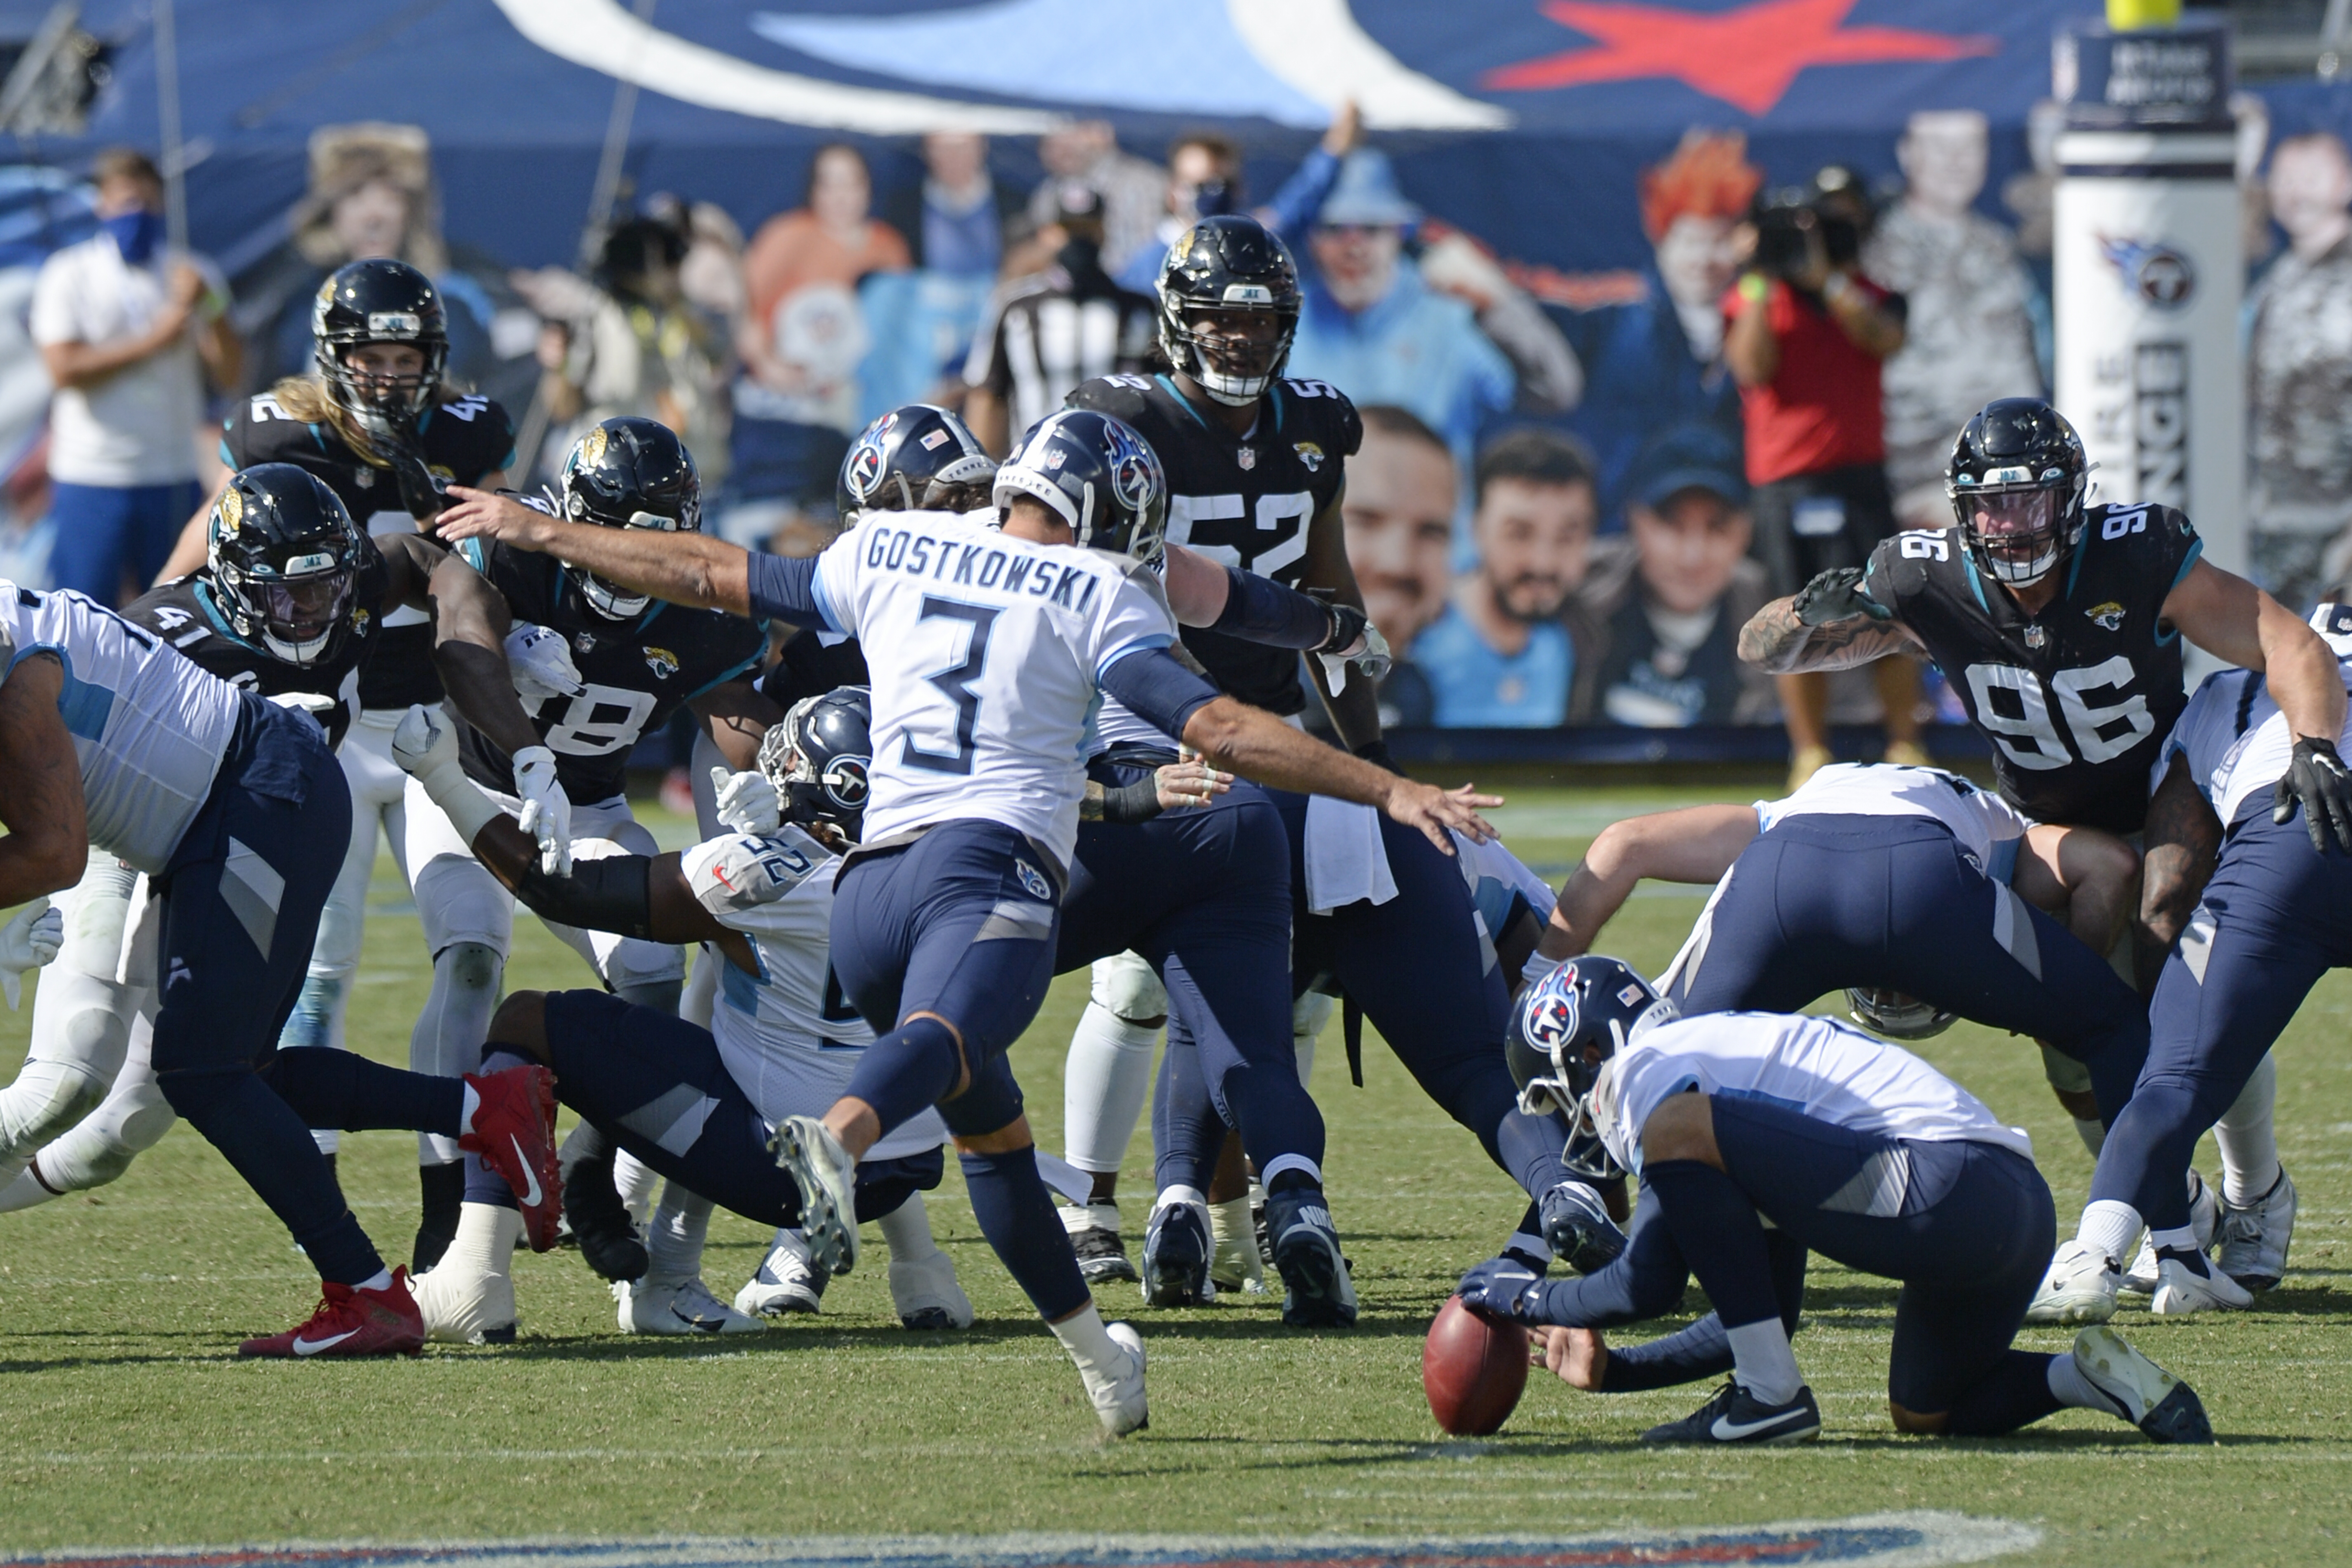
{"points": [[1504, 654], [129, 332], [1132, 189]]}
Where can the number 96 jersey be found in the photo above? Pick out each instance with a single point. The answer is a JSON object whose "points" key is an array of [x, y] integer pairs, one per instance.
{"points": [[2078, 700]]}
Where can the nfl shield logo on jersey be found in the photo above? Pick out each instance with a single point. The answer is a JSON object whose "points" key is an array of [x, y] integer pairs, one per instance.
{"points": [[1034, 879], [1246, 456]]}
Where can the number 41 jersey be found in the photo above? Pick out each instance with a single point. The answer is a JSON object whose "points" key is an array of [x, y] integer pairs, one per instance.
{"points": [[2078, 700]]}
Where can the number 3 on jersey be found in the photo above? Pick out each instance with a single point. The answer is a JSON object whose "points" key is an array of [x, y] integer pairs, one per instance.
{"points": [[2009, 703], [956, 681]]}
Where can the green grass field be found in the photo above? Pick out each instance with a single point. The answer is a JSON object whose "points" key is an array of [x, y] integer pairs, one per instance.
{"points": [[130, 1421]]}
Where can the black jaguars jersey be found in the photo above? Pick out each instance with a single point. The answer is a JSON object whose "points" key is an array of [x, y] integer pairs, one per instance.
{"points": [[464, 440], [2078, 700], [185, 614], [636, 672], [1243, 502]]}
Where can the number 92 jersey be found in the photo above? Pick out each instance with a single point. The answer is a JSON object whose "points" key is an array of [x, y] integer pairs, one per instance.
{"points": [[636, 672], [2078, 700], [1242, 501]]}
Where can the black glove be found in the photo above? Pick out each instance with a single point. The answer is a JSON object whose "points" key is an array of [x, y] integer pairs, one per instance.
{"points": [[806, 802], [1837, 596], [420, 491], [2317, 780], [1377, 753]]}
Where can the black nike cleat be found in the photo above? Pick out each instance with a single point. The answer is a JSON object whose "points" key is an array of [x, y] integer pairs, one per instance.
{"points": [[1737, 1418]]}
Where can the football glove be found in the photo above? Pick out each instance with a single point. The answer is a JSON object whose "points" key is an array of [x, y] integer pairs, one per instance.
{"points": [[1505, 1287], [546, 809], [1837, 596], [748, 803], [540, 662], [2318, 781], [29, 940], [1354, 640]]}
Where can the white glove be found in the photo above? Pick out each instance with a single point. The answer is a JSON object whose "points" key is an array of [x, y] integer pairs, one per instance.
{"points": [[317, 704], [748, 803], [29, 940], [540, 662], [426, 747], [546, 809], [1369, 652]]}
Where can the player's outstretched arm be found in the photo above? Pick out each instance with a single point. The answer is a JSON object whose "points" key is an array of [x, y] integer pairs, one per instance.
{"points": [[471, 622], [1697, 844], [2082, 877], [1257, 745], [683, 568], [48, 843], [2182, 845], [1831, 623]]}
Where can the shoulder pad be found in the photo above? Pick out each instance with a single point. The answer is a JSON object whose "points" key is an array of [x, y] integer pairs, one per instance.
{"points": [[1127, 397], [737, 873], [1328, 411]]}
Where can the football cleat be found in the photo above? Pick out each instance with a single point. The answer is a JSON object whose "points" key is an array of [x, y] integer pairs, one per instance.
{"points": [[677, 1307], [2181, 1290], [925, 1292], [1737, 1418], [1118, 1396], [2254, 1238], [2204, 1218], [1317, 1293], [827, 1177], [2143, 1393], [2080, 1286], [1577, 1227], [514, 1131], [348, 1322], [469, 1296], [785, 1282], [1093, 1237], [1176, 1252]]}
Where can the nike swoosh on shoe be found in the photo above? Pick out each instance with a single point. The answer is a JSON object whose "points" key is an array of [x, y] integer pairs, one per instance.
{"points": [[530, 1199], [1726, 1430], [313, 1347]]}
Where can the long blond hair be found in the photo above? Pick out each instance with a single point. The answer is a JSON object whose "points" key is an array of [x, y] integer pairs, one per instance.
{"points": [[306, 398]]}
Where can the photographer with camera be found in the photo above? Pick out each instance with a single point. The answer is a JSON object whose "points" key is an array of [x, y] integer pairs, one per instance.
{"points": [[1805, 333]]}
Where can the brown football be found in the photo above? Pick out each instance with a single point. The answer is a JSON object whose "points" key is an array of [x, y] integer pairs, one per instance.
{"points": [[1473, 1367]]}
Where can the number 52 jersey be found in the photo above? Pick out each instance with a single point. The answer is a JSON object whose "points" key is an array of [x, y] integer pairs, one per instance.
{"points": [[2078, 699]]}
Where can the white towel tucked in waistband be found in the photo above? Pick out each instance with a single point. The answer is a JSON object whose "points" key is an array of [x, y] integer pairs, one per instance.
{"points": [[1346, 862]]}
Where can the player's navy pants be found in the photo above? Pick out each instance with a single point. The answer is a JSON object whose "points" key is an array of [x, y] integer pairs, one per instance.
{"points": [[959, 923], [1423, 974], [657, 1086], [1203, 894], [240, 901], [1818, 903], [1966, 1227], [2274, 918]]}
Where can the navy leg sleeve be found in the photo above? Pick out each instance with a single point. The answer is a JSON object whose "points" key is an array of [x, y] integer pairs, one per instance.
{"points": [[1188, 1132], [344, 1089], [1017, 1214]]}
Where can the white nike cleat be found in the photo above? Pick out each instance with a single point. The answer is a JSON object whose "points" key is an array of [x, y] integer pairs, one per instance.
{"points": [[2143, 1393], [677, 1307], [2254, 1238], [1119, 1395], [827, 1177], [467, 1298], [2204, 1219], [2181, 1291], [785, 1282], [2080, 1286], [925, 1292]]}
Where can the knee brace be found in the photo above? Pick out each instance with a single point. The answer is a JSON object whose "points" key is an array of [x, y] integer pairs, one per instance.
{"points": [[661, 996], [68, 1075], [1126, 987], [1309, 1011], [447, 1039]]}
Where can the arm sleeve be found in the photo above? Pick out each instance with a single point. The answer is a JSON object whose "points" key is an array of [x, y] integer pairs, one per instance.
{"points": [[1261, 610], [612, 894], [1645, 1281], [1156, 688], [788, 588]]}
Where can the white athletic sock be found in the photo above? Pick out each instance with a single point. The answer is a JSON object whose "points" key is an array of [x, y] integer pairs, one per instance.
{"points": [[2069, 1387], [907, 1231], [2182, 1240], [2092, 1132], [24, 1193], [1762, 1362], [1076, 1217], [634, 1181], [2249, 1145], [379, 1280], [674, 1240], [1105, 1082], [1179, 1194], [2111, 1228], [1089, 1343], [447, 1039]]}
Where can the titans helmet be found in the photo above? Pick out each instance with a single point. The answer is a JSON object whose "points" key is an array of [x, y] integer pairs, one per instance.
{"points": [[628, 472], [380, 301], [2017, 482], [820, 758], [1231, 271], [1896, 1016], [285, 557], [1562, 1028], [917, 458], [1095, 473]]}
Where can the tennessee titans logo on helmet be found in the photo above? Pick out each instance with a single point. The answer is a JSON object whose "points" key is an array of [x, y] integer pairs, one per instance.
{"points": [[845, 783], [1550, 1016], [1135, 477], [864, 471]]}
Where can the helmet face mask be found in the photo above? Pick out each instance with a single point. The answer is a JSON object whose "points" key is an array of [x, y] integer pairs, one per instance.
{"points": [[1229, 301], [1564, 1029], [372, 303], [284, 557], [1891, 1012], [2017, 481], [820, 759], [628, 472]]}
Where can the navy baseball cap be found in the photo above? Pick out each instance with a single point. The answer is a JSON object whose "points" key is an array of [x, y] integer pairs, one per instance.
{"points": [[1688, 457]]}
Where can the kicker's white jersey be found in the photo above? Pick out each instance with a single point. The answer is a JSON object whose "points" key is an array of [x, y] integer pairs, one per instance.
{"points": [[1987, 825], [1496, 877], [985, 653], [790, 1039], [2235, 738], [148, 727], [1815, 1067]]}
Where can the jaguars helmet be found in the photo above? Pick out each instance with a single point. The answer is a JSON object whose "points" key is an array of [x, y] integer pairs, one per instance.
{"points": [[380, 301], [2016, 483], [285, 558], [1222, 268], [1562, 1028], [918, 457], [821, 757], [1095, 473], [1890, 1012], [628, 472]]}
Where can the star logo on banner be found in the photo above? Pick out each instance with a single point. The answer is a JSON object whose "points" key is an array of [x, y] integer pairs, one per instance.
{"points": [[1748, 57]]}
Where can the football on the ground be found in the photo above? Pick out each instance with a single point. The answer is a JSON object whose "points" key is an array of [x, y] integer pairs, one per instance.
{"points": [[1473, 1367]]}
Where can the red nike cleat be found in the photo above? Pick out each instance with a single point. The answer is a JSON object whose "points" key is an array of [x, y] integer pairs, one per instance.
{"points": [[514, 1130], [352, 1322]]}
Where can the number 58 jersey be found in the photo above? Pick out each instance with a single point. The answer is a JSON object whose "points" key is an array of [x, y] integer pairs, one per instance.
{"points": [[2078, 700], [985, 653]]}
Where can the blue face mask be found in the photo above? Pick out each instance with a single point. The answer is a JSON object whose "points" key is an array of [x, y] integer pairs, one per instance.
{"points": [[136, 235]]}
